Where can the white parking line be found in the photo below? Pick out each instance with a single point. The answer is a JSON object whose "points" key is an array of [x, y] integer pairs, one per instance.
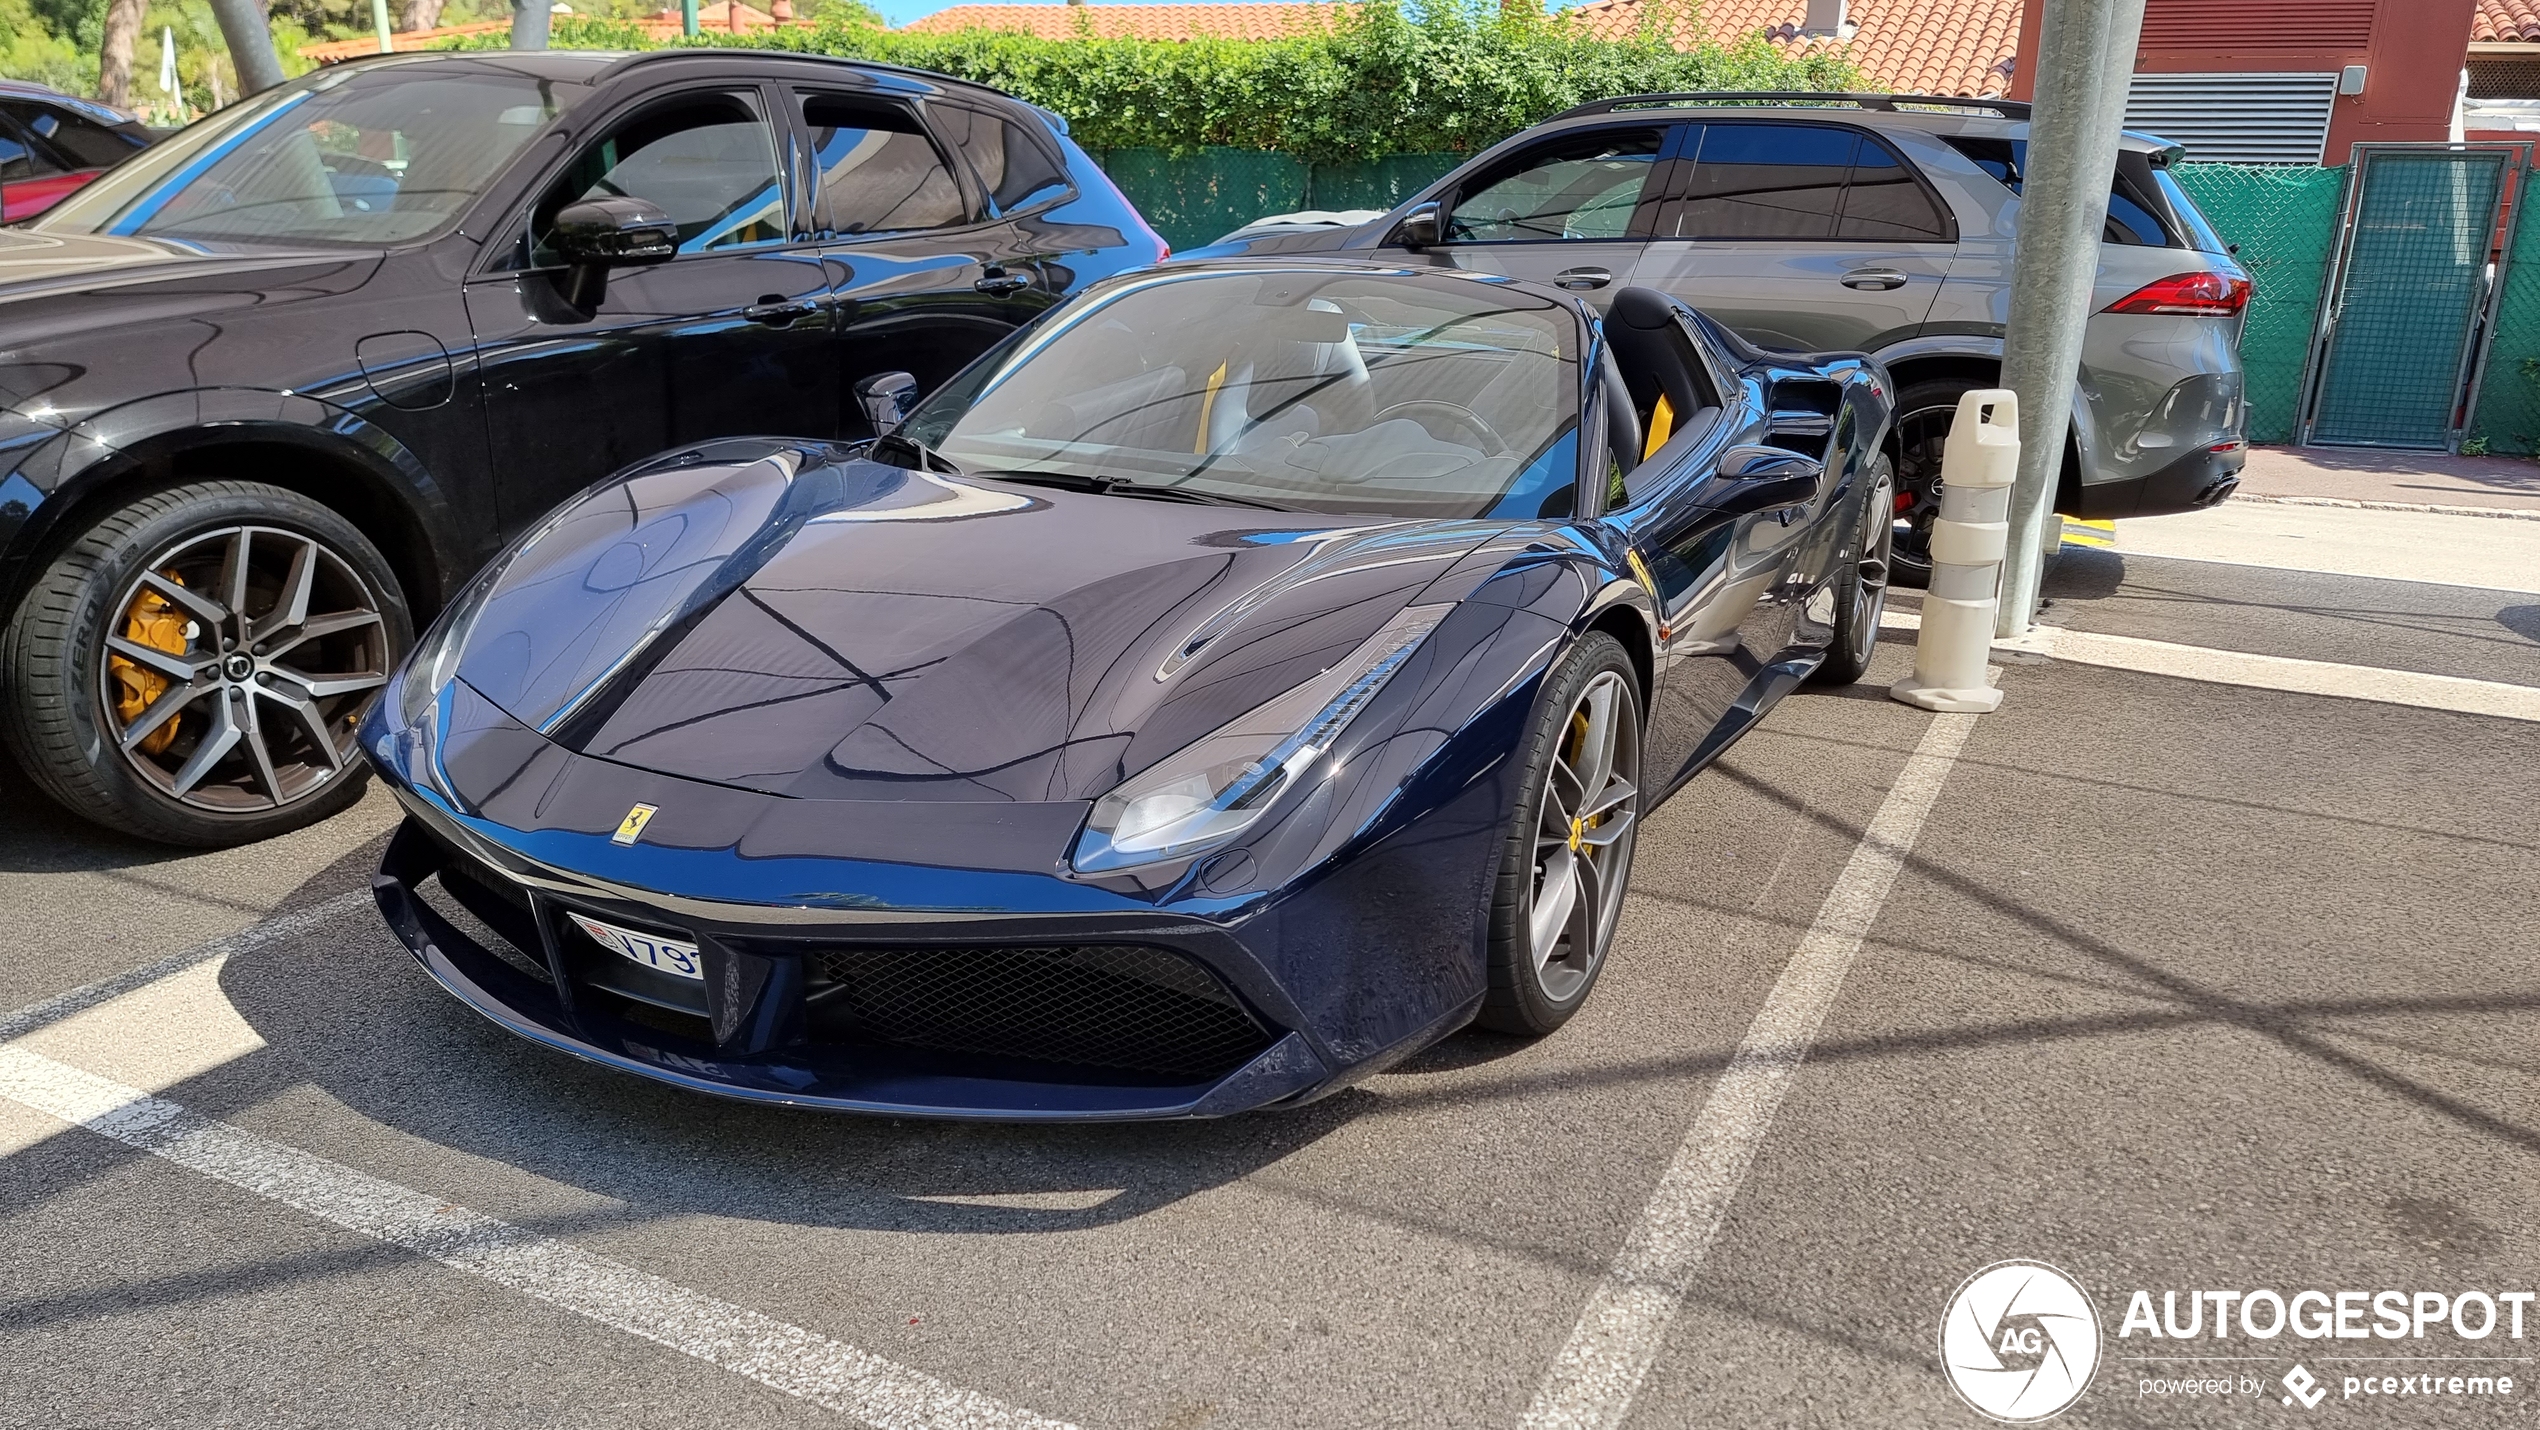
{"points": [[2500, 699], [127, 1020], [1593, 1380]]}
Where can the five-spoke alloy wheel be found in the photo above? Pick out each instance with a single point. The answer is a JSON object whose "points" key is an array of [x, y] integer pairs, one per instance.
{"points": [[192, 668], [1570, 846]]}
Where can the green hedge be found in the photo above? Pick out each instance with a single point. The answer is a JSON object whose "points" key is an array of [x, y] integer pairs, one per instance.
{"points": [[1450, 76]]}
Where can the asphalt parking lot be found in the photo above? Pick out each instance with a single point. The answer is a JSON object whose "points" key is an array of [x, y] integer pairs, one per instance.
{"points": [[2178, 983]]}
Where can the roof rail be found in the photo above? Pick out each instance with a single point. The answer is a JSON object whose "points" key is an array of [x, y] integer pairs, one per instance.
{"points": [[1885, 103]]}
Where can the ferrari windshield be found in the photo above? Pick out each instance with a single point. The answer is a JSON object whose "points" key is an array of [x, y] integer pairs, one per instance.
{"points": [[377, 154], [1310, 390]]}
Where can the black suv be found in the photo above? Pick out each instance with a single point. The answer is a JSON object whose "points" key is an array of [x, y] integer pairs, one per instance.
{"points": [[273, 388]]}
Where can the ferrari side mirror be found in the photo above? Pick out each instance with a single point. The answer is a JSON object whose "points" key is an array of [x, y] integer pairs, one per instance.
{"points": [[1418, 229], [886, 398]]}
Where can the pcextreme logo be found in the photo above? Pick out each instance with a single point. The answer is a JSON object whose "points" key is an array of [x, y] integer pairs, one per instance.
{"points": [[2020, 1341]]}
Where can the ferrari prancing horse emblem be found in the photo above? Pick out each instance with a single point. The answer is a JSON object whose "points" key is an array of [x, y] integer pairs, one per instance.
{"points": [[631, 827]]}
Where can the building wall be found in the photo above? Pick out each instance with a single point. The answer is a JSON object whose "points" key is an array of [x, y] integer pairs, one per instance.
{"points": [[2412, 49]]}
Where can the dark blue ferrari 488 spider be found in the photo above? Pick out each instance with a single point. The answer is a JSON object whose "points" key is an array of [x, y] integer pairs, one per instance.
{"points": [[1245, 676]]}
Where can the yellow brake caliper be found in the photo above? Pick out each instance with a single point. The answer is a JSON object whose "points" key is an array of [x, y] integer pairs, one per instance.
{"points": [[1578, 746], [154, 621]]}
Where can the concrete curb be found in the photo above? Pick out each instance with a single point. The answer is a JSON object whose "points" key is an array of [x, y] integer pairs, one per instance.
{"points": [[2509, 513]]}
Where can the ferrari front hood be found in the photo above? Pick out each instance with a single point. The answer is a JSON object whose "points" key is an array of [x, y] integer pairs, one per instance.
{"points": [[791, 620]]}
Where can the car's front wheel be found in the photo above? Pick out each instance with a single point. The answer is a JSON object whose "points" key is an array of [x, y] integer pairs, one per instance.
{"points": [[1925, 411], [1860, 588], [1569, 846], [190, 668]]}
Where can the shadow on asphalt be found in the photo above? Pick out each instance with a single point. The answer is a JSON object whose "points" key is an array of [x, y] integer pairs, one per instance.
{"points": [[41, 837], [358, 1019]]}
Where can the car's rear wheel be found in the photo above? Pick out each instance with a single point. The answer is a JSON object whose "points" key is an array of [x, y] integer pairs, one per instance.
{"points": [[1924, 412], [1860, 588], [1569, 849], [190, 668]]}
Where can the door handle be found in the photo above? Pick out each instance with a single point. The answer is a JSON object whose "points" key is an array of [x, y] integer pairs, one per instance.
{"points": [[1583, 278], [1877, 280], [998, 283], [775, 310]]}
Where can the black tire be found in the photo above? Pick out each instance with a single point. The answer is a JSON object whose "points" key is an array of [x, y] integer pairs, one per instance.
{"points": [[1524, 998], [265, 689], [1925, 411], [1860, 588]]}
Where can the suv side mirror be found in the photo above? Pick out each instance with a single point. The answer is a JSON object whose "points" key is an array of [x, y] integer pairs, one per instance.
{"points": [[596, 235], [886, 398], [1419, 228], [613, 232]]}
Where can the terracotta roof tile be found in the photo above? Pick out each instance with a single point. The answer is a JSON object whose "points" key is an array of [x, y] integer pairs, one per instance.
{"points": [[1949, 47], [661, 25], [1136, 22], [2506, 22]]}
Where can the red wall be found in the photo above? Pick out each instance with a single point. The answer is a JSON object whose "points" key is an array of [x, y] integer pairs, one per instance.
{"points": [[2413, 50]]}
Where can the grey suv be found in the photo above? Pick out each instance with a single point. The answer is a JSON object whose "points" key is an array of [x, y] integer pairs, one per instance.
{"points": [[1876, 223]]}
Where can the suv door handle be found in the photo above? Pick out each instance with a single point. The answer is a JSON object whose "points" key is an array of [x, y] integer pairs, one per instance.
{"points": [[778, 311], [1582, 278], [998, 283], [1876, 279]]}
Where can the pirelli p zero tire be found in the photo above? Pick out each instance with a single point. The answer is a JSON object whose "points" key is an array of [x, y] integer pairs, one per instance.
{"points": [[1569, 844], [1925, 411], [1860, 585], [190, 669]]}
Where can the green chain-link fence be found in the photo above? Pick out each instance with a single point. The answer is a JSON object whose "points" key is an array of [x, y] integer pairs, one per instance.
{"points": [[2284, 217], [1200, 197], [2509, 399]]}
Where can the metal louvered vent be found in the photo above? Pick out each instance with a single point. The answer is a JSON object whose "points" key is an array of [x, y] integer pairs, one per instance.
{"points": [[2236, 118], [2238, 27], [1099, 1005]]}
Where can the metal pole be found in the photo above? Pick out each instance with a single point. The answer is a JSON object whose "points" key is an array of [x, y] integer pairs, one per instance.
{"points": [[2085, 60], [688, 18], [529, 24], [250, 39], [379, 17]]}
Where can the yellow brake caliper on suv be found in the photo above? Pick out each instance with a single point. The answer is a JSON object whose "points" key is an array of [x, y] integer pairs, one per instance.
{"points": [[153, 621]]}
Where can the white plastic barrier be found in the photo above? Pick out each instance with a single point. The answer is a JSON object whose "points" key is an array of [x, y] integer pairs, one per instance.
{"points": [[1967, 541]]}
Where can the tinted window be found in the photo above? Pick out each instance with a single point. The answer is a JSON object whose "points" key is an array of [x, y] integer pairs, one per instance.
{"points": [[879, 173], [1884, 201], [1578, 186], [2131, 216], [1016, 169], [16, 161], [1763, 181], [354, 156], [708, 161], [85, 143]]}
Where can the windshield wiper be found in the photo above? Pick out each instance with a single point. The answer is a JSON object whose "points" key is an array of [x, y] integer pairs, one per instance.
{"points": [[1116, 487], [926, 458]]}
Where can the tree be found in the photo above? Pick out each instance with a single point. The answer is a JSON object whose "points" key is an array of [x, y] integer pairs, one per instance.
{"points": [[114, 61], [420, 15]]}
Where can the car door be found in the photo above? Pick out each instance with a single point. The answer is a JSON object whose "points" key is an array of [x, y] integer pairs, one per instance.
{"points": [[1572, 209], [913, 264], [1714, 556], [732, 336], [1801, 236]]}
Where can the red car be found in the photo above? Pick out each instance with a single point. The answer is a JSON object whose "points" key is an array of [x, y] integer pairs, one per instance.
{"points": [[51, 143]]}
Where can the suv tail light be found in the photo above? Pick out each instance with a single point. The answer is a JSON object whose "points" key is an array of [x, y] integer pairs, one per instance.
{"points": [[2197, 295]]}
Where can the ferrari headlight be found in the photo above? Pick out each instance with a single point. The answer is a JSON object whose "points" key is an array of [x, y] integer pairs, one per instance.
{"points": [[1215, 787], [436, 658]]}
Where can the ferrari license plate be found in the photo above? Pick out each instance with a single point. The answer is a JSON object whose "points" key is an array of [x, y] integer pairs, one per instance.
{"points": [[663, 955]]}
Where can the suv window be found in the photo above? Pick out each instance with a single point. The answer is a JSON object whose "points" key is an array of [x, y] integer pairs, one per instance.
{"points": [[2133, 217], [1798, 181], [1583, 186], [879, 173], [1016, 169], [87, 144], [709, 161]]}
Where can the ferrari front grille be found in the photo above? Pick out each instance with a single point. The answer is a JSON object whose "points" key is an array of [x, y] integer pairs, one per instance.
{"points": [[1119, 1006]]}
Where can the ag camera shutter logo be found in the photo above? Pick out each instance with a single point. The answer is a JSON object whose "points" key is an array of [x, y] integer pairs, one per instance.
{"points": [[2019, 1341]]}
